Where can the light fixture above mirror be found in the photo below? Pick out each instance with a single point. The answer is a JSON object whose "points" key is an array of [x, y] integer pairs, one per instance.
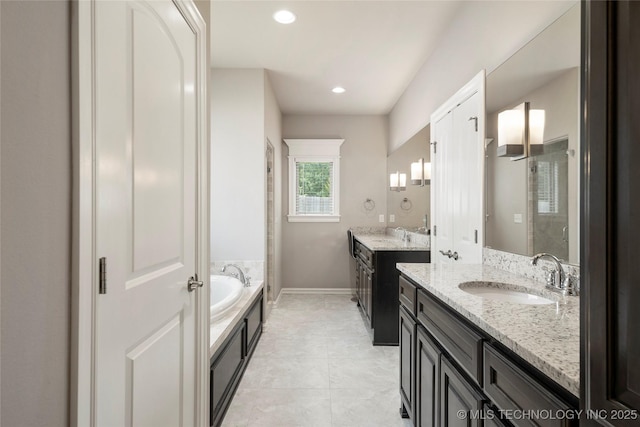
{"points": [[421, 173], [520, 132], [398, 181]]}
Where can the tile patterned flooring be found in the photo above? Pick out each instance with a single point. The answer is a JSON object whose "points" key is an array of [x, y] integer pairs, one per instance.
{"points": [[315, 366]]}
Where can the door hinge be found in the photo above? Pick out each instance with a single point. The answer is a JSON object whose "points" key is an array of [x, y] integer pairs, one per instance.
{"points": [[476, 233], [435, 146], [435, 229], [476, 120], [102, 276]]}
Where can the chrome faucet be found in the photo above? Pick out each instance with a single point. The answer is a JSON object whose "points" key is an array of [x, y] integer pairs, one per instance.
{"points": [[246, 280], [557, 279], [405, 235]]}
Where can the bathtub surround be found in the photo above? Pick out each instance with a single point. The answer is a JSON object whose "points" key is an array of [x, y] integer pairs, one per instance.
{"points": [[222, 327], [234, 335]]}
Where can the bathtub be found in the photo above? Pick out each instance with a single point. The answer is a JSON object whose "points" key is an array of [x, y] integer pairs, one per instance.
{"points": [[225, 292]]}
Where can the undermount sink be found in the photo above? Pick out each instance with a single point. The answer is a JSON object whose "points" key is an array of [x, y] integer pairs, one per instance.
{"points": [[504, 292]]}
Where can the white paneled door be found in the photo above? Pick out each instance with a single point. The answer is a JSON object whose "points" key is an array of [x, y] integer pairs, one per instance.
{"points": [[145, 65], [457, 154]]}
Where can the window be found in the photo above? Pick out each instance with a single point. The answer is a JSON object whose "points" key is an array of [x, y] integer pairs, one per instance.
{"points": [[548, 187], [314, 184]]}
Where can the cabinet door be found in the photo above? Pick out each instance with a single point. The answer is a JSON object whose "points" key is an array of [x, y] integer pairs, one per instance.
{"points": [[610, 205], [253, 321], [369, 292], [427, 380], [225, 373], [358, 283], [457, 397], [407, 361], [363, 290]]}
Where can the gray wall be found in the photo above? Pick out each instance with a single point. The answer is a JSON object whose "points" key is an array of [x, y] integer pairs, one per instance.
{"points": [[315, 255], [483, 35], [400, 160], [36, 210], [35, 203], [238, 165], [507, 180]]}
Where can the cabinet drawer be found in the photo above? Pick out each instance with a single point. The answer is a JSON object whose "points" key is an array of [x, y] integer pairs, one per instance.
{"points": [[462, 343], [511, 388], [407, 295], [365, 255]]}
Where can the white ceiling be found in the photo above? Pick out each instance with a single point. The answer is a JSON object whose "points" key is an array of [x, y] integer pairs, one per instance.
{"points": [[371, 48]]}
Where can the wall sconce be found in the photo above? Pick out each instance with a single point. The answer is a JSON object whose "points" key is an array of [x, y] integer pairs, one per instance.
{"points": [[520, 132], [398, 181], [421, 173]]}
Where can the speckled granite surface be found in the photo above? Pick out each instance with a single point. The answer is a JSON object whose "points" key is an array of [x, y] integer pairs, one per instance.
{"points": [[521, 264], [392, 241], [220, 329], [547, 336]]}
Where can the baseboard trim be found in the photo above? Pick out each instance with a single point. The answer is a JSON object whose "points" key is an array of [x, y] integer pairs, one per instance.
{"points": [[317, 291]]}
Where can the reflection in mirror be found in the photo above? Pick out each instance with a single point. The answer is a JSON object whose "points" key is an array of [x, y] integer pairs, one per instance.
{"points": [[413, 213], [532, 204]]}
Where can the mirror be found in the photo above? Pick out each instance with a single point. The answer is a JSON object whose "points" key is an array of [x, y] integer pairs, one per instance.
{"points": [[532, 204], [411, 213]]}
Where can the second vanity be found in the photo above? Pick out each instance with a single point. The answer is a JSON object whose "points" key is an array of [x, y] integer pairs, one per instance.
{"points": [[376, 255], [472, 360]]}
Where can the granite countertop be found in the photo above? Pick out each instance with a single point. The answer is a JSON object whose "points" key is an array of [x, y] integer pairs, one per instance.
{"points": [[220, 329], [547, 336], [389, 242]]}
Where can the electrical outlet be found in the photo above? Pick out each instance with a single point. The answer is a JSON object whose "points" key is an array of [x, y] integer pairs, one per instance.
{"points": [[381, 218], [392, 218], [517, 218]]}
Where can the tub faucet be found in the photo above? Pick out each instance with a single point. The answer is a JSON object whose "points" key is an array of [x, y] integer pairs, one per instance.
{"points": [[246, 280]]}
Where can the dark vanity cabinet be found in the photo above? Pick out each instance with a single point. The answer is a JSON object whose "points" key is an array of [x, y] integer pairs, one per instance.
{"points": [[364, 280], [610, 230], [230, 360], [453, 374], [377, 288]]}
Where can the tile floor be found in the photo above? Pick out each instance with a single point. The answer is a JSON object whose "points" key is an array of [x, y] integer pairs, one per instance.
{"points": [[315, 366]]}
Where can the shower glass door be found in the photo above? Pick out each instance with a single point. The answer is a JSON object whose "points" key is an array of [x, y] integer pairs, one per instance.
{"points": [[548, 200]]}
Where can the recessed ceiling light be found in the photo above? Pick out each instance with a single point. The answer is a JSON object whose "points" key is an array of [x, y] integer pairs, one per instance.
{"points": [[338, 89], [284, 17]]}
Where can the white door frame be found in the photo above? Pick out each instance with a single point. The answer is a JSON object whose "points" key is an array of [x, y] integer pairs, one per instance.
{"points": [[84, 267]]}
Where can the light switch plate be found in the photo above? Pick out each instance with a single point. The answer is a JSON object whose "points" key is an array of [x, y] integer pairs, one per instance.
{"points": [[517, 218], [381, 218], [392, 218]]}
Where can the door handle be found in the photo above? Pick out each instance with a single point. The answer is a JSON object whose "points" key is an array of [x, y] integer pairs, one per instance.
{"points": [[194, 283], [448, 254], [454, 255]]}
